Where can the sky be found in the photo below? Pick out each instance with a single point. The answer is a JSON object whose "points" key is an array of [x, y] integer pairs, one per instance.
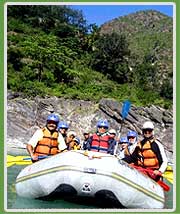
{"points": [[99, 14]]}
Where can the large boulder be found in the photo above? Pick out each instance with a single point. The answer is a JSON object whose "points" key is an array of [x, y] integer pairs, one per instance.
{"points": [[24, 116]]}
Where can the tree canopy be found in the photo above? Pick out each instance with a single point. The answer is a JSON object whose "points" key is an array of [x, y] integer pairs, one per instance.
{"points": [[52, 51]]}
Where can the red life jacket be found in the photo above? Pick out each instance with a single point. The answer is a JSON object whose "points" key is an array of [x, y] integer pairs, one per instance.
{"points": [[48, 145], [100, 143]]}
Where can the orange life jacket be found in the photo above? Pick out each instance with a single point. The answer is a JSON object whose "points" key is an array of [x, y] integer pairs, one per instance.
{"points": [[100, 143], [149, 157], [48, 145]]}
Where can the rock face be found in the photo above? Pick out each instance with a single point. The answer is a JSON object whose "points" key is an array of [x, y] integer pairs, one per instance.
{"points": [[24, 116]]}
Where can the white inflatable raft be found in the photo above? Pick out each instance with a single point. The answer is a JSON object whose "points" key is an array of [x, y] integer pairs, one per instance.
{"points": [[91, 175]]}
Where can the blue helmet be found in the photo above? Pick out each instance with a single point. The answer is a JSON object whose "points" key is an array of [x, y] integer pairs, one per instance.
{"points": [[63, 125], [123, 140], [53, 117], [102, 123], [77, 140], [131, 134]]}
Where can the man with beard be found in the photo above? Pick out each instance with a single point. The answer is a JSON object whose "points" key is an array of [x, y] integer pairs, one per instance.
{"points": [[46, 141]]}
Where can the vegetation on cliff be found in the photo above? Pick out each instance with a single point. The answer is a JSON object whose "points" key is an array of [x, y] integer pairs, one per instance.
{"points": [[53, 52]]}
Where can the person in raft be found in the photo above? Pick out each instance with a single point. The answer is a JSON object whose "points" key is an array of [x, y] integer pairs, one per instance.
{"points": [[86, 135], [100, 141], [122, 145], [46, 141], [63, 128], [149, 154], [113, 142], [76, 144], [132, 137]]}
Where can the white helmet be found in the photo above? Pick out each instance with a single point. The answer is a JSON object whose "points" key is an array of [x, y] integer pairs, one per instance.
{"points": [[112, 131], [148, 125], [71, 133]]}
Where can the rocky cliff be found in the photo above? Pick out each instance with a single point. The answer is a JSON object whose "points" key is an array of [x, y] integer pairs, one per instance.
{"points": [[24, 116]]}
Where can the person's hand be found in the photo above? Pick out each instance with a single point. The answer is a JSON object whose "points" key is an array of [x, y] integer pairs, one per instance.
{"points": [[157, 173], [34, 157]]}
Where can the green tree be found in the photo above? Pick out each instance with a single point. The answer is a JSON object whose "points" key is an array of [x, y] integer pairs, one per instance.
{"points": [[167, 89], [89, 40], [48, 17], [110, 57], [42, 58], [145, 75]]}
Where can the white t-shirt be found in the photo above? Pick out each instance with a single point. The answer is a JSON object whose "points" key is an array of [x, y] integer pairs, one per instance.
{"points": [[38, 135]]}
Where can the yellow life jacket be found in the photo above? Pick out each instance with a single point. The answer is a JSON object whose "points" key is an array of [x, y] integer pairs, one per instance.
{"points": [[48, 145], [126, 151], [76, 147]]}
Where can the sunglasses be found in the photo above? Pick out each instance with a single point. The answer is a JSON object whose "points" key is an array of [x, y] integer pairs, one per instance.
{"points": [[147, 130], [131, 137], [102, 127], [64, 129], [123, 143], [51, 122]]}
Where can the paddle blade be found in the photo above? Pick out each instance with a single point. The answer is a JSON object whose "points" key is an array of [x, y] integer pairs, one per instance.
{"points": [[18, 160], [125, 108], [18, 163], [11, 158], [168, 176], [21, 160], [8, 164]]}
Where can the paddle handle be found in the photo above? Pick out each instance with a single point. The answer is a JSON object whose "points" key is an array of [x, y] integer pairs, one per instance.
{"points": [[39, 157], [164, 185]]}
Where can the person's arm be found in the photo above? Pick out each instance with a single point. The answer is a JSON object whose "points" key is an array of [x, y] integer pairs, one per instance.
{"points": [[33, 142], [132, 158], [111, 147], [30, 149], [61, 143], [88, 145], [128, 159], [158, 149], [31, 152]]}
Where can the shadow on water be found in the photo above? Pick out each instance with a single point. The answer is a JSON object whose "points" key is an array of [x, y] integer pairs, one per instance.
{"points": [[16, 202], [102, 199]]}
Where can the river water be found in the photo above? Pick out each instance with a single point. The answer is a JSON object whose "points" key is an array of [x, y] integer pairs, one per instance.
{"points": [[16, 202]]}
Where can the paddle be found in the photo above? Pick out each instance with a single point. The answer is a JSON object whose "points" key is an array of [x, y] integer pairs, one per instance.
{"points": [[21, 160], [125, 108], [168, 174], [124, 112]]}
